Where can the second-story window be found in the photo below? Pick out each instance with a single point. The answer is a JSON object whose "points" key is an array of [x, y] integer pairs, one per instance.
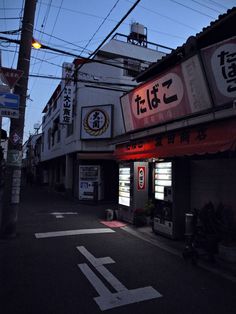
{"points": [[132, 67], [49, 138], [70, 127], [56, 131], [42, 142]]}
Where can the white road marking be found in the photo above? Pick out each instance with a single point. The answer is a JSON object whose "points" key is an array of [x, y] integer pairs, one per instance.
{"points": [[61, 214], [106, 299], [64, 213], [72, 232], [93, 260], [94, 280], [126, 297]]}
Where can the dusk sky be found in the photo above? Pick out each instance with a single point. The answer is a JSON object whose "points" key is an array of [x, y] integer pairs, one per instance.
{"points": [[79, 26]]}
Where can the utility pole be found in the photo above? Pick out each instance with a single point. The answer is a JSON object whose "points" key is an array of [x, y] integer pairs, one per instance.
{"points": [[11, 197]]}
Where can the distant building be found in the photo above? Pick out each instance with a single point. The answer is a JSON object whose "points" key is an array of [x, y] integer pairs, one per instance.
{"points": [[84, 115]]}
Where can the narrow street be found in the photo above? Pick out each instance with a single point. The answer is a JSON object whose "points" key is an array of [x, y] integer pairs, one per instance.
{"points": [[65, 261]]}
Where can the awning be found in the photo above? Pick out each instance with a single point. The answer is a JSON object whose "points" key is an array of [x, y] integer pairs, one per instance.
{"points": [[209, 138], [95, 155]]}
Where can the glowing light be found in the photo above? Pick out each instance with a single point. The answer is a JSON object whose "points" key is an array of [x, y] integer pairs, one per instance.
{"points": [[36, 44]]}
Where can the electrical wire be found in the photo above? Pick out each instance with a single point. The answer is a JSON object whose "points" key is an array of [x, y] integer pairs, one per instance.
{"points": [[192, 9], [115, 63], [115, 28], [18, 35], [9, 18], [166, 17], [206, 6], [218, 4], [80, 12], [76, 70], [109, 13], [63, 40], [13, 32]]}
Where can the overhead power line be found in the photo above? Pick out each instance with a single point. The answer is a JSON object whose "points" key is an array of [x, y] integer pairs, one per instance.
{"points": [[100, 26], [206, 6], [115, 28], [192, 9], [86, 60], [93, 54], [82, 80], [15, 31], [10, 18]]}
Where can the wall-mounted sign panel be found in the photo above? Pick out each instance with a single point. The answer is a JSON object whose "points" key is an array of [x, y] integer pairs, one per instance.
{"points": [[220, 63], [176, 93], [9, 105], [96, 122], [67, 93], [141, 178]]}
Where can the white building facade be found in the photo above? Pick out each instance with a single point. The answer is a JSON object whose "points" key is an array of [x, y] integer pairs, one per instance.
{"points": [[84, 115]]}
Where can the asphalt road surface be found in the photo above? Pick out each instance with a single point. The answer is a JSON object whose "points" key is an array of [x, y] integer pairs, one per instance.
{"points": [[94, 269]]}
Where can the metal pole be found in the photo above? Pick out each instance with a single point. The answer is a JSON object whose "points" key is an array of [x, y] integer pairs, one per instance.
{"points": [[14, 156]]}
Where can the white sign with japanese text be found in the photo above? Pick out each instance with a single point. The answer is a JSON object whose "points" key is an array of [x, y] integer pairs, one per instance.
{"points": [[67, 95], [220, 62], [96, 122], [176, 93]]}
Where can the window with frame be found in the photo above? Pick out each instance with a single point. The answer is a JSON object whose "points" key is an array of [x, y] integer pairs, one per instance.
{"points": [[49, 138], [132, 67], [42, 142], [70, 127]]}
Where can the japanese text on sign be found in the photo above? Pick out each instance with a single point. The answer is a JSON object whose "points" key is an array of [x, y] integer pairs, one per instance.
{"points": [[228, 68], [167, 90], [67, 95], [223, 64]]}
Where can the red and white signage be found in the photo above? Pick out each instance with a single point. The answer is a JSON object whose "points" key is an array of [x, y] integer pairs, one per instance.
{"points": [[10, 76], [175, 93], [141, 178], [220, 63]]}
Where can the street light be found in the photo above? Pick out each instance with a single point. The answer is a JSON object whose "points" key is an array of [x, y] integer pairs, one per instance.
{"points": [[36, 44]]}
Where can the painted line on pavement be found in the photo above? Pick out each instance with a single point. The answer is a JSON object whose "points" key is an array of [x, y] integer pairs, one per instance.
{"points": [[64, 213], [107, 299], [72, 232], [61, 214]]}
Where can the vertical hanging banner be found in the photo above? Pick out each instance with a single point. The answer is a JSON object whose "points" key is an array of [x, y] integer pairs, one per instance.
{"points": [[67, 95]]}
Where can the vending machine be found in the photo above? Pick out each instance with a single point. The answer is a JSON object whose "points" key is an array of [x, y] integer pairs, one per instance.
{"points": [[172, 199], [133, 189], [90, 183]]}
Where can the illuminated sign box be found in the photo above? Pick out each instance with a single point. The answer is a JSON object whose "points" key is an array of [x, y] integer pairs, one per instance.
{"points": [[219, 60], [178, 92]]}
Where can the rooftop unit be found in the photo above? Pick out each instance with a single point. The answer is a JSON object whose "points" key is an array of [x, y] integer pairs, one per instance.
{"points": [[138, 34]]}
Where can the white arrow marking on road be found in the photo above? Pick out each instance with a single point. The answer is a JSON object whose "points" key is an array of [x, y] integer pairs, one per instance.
{"points": [[4, 99], [106, 299]]}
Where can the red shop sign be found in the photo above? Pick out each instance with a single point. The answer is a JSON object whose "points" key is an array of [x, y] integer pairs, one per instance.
{"points": [[141, 178]]}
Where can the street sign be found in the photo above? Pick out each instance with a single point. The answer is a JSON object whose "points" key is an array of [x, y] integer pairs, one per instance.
{"points": [[10, 76], [9, 105]]}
